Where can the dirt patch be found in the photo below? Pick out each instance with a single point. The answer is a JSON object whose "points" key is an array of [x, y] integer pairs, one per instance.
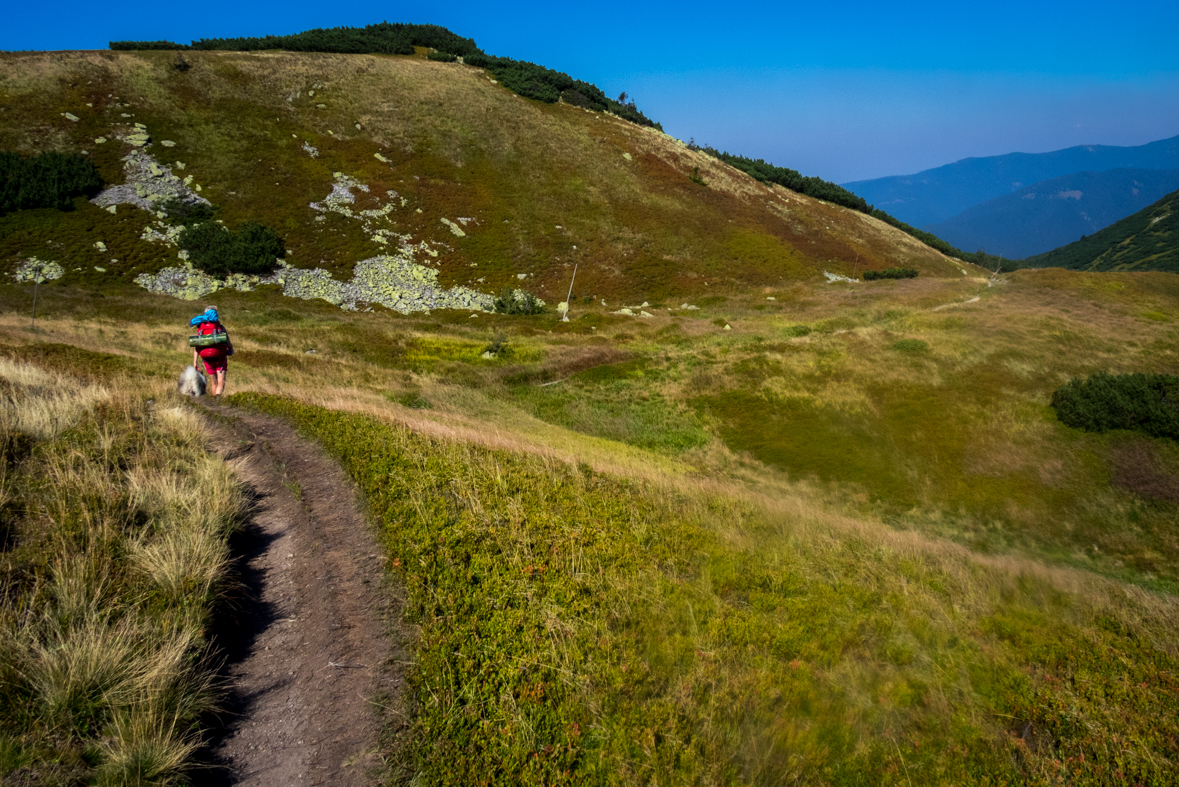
{"points": [[312, 660]]}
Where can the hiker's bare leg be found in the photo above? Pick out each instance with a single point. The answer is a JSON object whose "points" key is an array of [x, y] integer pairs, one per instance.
{"points": [[219, 382]]}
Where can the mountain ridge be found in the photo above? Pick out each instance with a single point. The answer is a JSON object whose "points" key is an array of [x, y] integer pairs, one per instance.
{"points": [[935, 195]]}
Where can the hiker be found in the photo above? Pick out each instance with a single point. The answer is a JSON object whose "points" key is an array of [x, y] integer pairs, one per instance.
{"points": [[212, 346]]}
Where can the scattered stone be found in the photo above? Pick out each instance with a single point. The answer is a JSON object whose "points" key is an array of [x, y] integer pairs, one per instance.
{"points": [[521, 275], [100, 140], [379, 157], [311, 150], [728, 327], [37, 270], [645, 314], [112, 208], [124, 114], [100, 245], [358, 128], [645, 305], [624, 311], [834, 277], [771, 298], [454, 228], [311, 94], [147, 182], [321, 106], [100, 270], [179, 165], [70, 117], [197, 187], [487, 355], [167, 143], [689, 308], [628, 157]]}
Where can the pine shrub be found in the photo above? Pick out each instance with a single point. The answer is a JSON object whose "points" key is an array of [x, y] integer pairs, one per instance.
{"points": [[891, 273], [218, 251], [1146, 403], [47, 180]]}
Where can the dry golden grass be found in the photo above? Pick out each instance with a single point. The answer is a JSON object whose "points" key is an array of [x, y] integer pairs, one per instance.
{"points": [[120, 549]]}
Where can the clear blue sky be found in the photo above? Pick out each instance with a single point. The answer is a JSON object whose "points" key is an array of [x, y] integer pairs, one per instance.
{"points": [[845, 91]]}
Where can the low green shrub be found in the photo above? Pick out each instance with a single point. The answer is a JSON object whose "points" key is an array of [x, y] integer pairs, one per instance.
{"points": [[442, 57], [218, 251], [891, 273], [1146, 403], [47, 180], [517, 302], [911, 346]]}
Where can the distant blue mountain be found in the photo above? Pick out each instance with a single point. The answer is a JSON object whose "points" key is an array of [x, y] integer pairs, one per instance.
{"points": [[937, 194], [1055, 212]]}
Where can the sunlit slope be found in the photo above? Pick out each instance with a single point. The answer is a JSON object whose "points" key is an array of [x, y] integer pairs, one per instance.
{"points": [[541, 187], [1146, 241]]}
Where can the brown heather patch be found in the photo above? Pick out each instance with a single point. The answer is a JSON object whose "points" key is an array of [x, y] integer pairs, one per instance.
{"points": [[1148, 468]]}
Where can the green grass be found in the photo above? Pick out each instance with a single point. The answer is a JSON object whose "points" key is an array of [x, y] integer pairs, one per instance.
{"points": [[577, 628]]}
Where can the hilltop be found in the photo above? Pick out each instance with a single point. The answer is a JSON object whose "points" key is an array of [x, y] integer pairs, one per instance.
{"points": [[1146, 241], [1055, 212], [451, 182], [935, 195]]}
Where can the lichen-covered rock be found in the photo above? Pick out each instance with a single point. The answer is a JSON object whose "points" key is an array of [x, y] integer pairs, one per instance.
{"points": [[37, 270], [167, 143], [70, 117], [147, 182], [454, 228], [379, 157], [392, 280]]}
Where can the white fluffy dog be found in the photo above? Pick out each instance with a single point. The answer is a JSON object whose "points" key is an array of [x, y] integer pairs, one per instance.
{"points": [[191, 382]]}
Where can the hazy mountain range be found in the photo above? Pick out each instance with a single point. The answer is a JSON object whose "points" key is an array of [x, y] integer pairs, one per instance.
{"points": [[935, 195], [1051, 213]]}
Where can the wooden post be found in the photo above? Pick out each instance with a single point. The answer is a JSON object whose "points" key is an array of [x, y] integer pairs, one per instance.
{"points": [[569, 297]]}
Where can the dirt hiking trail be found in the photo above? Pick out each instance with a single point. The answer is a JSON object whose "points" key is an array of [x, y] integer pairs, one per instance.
{"points": [[306, 636]]}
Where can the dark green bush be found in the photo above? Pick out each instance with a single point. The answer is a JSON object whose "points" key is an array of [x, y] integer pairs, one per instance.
{"points": [[1146, 403], [517, 302], [133, 46], [217, 251], [891, 273], [47, 180], [442, 57]]}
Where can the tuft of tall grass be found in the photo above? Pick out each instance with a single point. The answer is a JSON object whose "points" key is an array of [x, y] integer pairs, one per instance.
{"points": [[118, 549]]}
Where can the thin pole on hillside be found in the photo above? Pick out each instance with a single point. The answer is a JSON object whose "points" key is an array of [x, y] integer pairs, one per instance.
{"points": [[36, 284], [569, 297]]}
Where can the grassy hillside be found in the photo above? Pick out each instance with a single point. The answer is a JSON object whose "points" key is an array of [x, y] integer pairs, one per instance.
{"points": [[1146, 241], [753, 528], [539, 187]]}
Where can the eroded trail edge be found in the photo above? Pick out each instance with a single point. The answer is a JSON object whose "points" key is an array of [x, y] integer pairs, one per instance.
{"points": [[307, 633]]}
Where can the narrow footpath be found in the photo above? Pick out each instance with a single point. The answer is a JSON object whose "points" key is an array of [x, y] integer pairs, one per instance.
{"points": [[310, 647]]}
